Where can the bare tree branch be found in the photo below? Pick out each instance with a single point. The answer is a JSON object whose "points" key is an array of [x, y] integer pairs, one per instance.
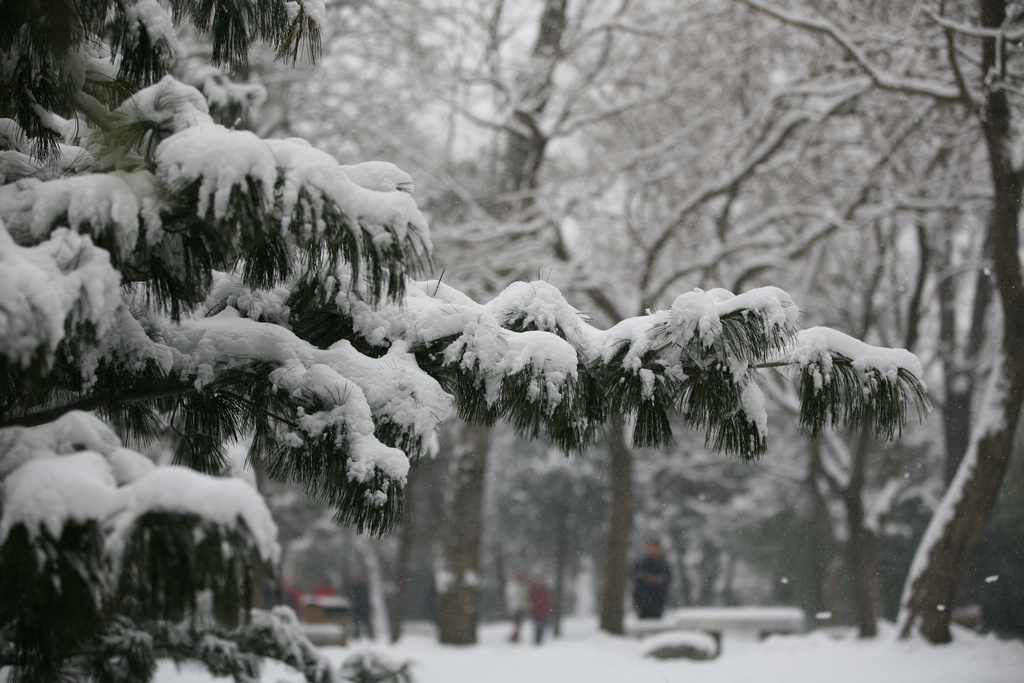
{"points": [[886, 81]]}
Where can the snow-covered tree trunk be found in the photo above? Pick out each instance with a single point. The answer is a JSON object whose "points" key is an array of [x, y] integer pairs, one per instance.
{"points": [[457, 611], [940, 560], [620, 527], [942, 556]]}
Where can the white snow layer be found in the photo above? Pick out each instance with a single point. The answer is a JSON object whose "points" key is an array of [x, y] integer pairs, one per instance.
{"points": [[88, 203], [584, 653]]}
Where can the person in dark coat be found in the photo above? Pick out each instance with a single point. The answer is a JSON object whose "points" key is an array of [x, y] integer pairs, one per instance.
{"points": [[651, 577]]}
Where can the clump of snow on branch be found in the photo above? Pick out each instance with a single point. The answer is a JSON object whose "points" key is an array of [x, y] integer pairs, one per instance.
{"points": [[537, 305], [380, 176], [816, 347], [221, 92], [151, 17], [394, 385], [694, 315], [46, 493], [314, 9], [62, 283], [229, 290], [477, 343], [752, 404], [87, 202], [349, 414], [202, 347], [171, 104]]}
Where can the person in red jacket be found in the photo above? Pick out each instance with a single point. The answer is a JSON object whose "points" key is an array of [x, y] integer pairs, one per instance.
{"points": [[540, 606]]}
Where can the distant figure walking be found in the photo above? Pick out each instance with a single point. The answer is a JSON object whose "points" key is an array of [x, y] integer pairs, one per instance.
{"points": [[515, 603], [359, 594], [651, 577], [540, 607]]}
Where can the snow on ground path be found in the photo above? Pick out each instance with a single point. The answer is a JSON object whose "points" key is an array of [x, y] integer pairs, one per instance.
{"points": [[584, 654]]}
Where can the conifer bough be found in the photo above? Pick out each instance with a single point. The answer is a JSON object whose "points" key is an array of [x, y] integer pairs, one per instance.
{"points": [[162, 274]]}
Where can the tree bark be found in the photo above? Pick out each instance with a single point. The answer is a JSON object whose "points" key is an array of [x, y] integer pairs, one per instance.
{"points": [[685, 591], [939, 564], [396, 617], [863, 544], [864, 552], [825, 546], [457, 610], [710, 568], [960, 362], [620, 527], [525, 141], [562, 540]]}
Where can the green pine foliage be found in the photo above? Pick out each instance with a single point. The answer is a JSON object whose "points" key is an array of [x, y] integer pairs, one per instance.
{"points": [[166, 278]]}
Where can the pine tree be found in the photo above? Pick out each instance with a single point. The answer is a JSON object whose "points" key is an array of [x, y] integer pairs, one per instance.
{"points": [[162, 273]]}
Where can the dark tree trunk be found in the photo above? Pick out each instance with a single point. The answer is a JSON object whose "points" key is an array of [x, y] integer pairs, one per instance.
{"points": [[863, 545], [396, 615], [960, 362], [685, 591], [824, 545], [710, 568], [457, 612], [562, 540], [620, 526], [864, 562], [525, 141], [728, 595]]}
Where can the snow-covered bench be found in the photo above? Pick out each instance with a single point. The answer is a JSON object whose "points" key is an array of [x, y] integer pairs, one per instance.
{"points": [[325, 618], [326, 633], [748, 622]]}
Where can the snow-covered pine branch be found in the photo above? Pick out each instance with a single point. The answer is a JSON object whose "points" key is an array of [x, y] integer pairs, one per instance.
{"points": [[843, 381], [699, 359]]}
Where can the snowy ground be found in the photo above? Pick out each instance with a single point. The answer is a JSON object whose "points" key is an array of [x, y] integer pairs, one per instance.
{"points": [[585, 654]]}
